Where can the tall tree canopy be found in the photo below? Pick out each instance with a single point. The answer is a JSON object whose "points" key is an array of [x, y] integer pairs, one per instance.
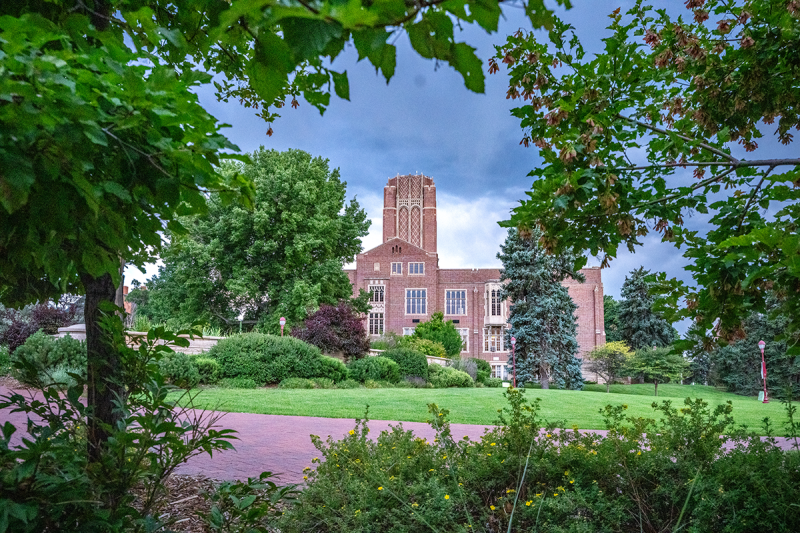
{"points": [[103, 143], [665, 123], [282, 257], [611, 318], [639, 325], [542, 316]]}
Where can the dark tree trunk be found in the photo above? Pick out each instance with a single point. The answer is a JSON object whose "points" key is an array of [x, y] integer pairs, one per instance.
{"points": [[104, 382], [655, 381], [543, 377]]}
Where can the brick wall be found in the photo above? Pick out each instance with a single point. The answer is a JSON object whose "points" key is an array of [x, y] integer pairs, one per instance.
{"points": [[374, 267]]}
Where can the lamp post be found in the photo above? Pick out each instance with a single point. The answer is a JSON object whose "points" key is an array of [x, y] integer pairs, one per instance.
{"points": [[283, 323], [514, 359], [761, 345]]}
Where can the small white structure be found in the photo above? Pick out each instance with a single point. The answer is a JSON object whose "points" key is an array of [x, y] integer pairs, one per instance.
{"points": [[196, 345]]}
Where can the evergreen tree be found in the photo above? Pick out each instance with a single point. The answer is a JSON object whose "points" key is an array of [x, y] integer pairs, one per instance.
{"points": [[542, 314], [611, 319], [640, 326]]}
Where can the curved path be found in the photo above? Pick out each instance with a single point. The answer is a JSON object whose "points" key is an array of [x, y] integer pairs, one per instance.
{"points": [[281, 444]]}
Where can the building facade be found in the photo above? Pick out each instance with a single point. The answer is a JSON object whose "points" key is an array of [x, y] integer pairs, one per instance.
{"points": [[407, 286]]}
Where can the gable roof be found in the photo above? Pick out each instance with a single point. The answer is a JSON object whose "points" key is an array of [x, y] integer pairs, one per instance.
{"points": [[394, 241]]}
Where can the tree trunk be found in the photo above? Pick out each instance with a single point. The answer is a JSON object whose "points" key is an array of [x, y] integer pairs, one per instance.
{"points": [[655, 381], [103, 377], [608, 386], [543, 377]]}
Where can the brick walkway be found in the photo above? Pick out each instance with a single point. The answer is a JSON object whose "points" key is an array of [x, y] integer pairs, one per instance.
{"points": [[281, 444]]}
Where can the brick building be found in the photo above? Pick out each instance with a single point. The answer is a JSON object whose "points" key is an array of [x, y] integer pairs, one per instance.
{"points": [[408, 286]]}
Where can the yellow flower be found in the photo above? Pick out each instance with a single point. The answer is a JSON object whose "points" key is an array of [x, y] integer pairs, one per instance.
{"points": [[431, 470], [566, 473], [638, 453], [572, 481], [415, 504], [358, 511], [539, 495], [352, 432], [491, 507], [493, 444], [549, 435], [510, 490], [555, 494], [380, 488], [445, 457], [446, 496], [488, 454], [528, 503], [305, 477]]}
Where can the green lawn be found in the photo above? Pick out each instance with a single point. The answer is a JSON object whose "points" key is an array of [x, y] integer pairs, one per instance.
{"points": [[478, 406]]}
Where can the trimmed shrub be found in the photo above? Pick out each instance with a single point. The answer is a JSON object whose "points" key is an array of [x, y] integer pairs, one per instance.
{"points": [[465, 365], [45, 354], [348, 384], [209, 369], [238, 383], [412, 363], [376, 368], [296, 383], [493, 382], [484, 370], [271, 359], [61, 375], [445, 376], [178, 369]]}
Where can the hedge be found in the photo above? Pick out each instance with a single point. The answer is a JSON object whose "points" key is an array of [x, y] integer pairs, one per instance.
{"points": [[376, 368], [412, 363], [271, 359]]}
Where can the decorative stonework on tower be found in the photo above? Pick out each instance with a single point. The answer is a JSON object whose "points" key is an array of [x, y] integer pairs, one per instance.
{"points": [[409, 211]]}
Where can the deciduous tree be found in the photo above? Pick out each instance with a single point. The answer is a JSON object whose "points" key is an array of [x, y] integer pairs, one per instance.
{"points": [[445, 333], [542, 316], [282, 257], [610, 361], [659, 364], [663, 124]]}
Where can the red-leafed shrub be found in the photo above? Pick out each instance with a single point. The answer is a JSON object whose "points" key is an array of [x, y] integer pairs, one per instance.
{"points": [[336, 330]]}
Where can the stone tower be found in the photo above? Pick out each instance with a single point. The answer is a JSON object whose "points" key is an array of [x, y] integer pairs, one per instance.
{"points": [[409, 211]]}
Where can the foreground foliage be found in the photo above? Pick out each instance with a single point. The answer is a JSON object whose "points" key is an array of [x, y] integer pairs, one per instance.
{"points": [[645, 476], [666, 122], [49, 483]]}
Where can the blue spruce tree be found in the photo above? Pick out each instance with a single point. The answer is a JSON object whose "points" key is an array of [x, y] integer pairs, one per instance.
{"points": [[542, 314], [639, 325]]}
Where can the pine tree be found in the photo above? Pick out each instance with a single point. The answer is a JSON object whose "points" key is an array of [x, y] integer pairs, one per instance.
{"points": [[640, 326], [542, 314]]}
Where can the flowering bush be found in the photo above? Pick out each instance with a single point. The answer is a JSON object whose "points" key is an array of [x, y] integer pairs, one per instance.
{"points": [[645, 475]]}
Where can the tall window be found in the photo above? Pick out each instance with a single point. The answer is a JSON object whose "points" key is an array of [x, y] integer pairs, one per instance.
{"points": [[493, 339], [376, 293], [455, 302], [376, 323], [416, 300], [464, 332], [416, 268], [397, 268], [499, 370], [495, 307]]}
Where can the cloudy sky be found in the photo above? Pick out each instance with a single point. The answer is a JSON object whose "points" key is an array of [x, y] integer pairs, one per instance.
{"points": [[426, 121]]}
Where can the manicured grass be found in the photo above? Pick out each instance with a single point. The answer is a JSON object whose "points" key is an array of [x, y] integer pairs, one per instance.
{"points": [[479, 406]]}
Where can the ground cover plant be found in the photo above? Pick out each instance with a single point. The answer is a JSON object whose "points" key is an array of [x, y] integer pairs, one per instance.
{"points": [[478, 405], [660, 473]]}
